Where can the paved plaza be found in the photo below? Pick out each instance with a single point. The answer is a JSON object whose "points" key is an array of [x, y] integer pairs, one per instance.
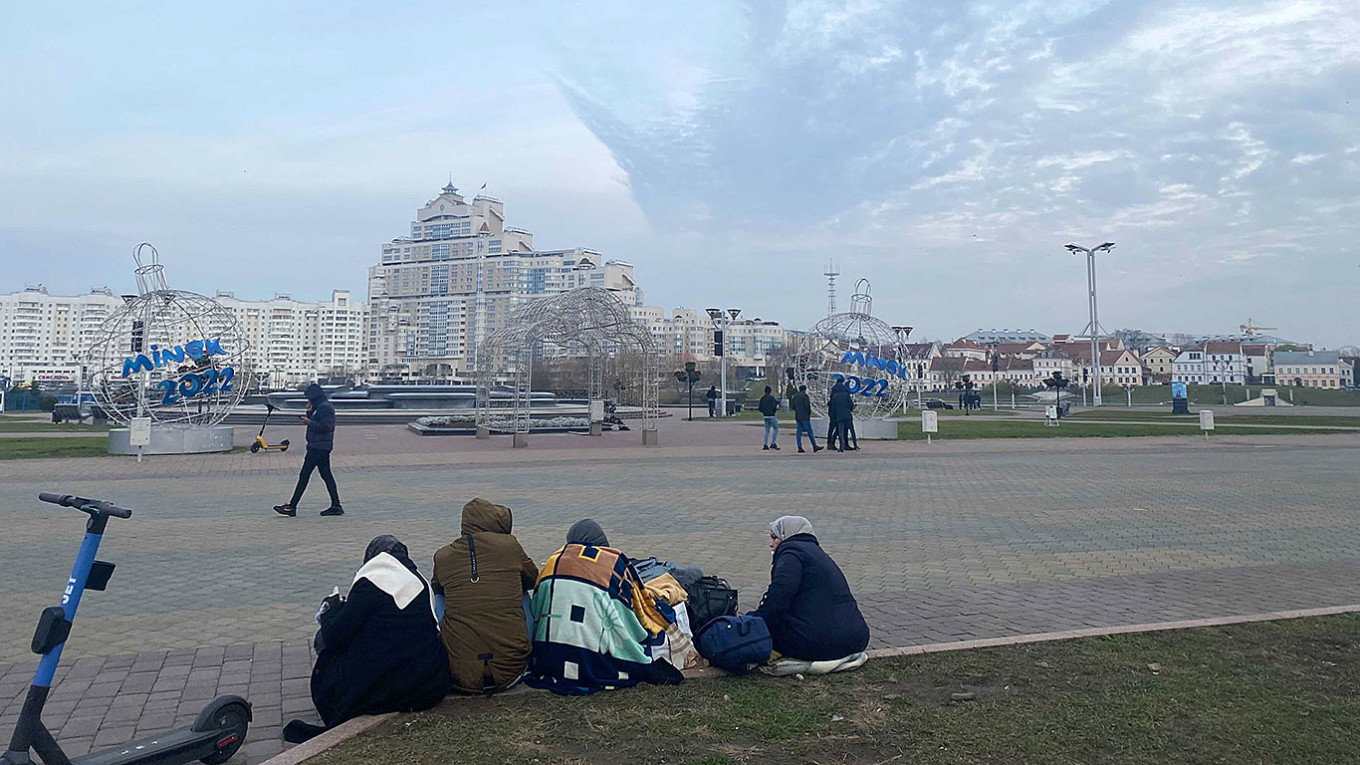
{"points": [[953, 541]]}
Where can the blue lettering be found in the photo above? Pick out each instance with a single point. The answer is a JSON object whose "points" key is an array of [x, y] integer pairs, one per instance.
{"points": [[194, 349], [213, 347], [177, 355], [141, 363], [853, 357], [893, 368], [874, 360]]}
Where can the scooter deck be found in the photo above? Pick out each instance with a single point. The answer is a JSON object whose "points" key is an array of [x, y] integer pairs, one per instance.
{"points": [[170, 748]]}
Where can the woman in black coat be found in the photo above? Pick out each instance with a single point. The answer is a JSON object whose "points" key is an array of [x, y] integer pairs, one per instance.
{"points": [[809, 609], [378, 650]]}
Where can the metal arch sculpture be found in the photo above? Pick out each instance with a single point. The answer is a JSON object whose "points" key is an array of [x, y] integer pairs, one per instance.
{"points": [[589, 321]]}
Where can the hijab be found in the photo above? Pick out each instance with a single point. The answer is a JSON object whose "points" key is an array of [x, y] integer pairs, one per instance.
{"points": [[388, 566], [587, 532], [386, 543], [790, 526]]}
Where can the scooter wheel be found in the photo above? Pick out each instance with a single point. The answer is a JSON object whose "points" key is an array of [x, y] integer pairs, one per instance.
{"points": [[255, 448], [230, 716]]}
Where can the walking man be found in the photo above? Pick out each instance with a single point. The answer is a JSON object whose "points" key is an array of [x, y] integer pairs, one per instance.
{"points": [[712, 396], [838, 411], [320, 422], [802, 416], [768, 406]]}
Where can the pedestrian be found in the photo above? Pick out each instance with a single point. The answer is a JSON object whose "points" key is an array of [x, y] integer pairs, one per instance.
{"points": [[848, 428], [320, 422], [712, 396], [769, 405], [802, 417], [838, 413]]}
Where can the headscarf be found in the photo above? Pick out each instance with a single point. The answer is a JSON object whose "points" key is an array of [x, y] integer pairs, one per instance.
{"points": [[386, 543], [388, 566], [790, 526], [587, 532], [315, 392]]}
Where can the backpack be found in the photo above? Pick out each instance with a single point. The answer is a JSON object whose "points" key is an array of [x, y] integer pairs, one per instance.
{"points": [[735, 643], [709, 598]]}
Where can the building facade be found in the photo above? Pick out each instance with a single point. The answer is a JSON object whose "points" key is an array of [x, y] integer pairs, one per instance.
{"points": [[295, 342], [1313, 369], [44, 338], [1158, 361]]}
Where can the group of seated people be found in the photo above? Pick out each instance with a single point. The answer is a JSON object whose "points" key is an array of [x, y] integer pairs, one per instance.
{"points": [[489, 617]]}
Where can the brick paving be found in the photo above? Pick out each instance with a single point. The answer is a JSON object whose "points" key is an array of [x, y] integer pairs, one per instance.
{"points": [[955, 541]]}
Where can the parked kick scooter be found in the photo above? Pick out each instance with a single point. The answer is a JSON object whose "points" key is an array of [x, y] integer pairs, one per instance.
{"points": [[214, 737], [260, 443]]}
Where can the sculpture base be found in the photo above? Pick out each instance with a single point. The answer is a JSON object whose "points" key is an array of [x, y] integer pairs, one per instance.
{"points": [[167, 440], [519, 440], [650, 437], [866, 429]]}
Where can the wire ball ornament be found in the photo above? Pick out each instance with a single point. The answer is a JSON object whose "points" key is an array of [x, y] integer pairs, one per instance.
{"points": [[859, 350], [176, 357]]}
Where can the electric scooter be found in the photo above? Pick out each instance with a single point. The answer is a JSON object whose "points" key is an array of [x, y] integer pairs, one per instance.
{"points": [[260, 443], [214, 737]]}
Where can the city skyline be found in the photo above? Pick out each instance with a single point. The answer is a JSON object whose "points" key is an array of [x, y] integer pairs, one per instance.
{"points": [[946, 155]]}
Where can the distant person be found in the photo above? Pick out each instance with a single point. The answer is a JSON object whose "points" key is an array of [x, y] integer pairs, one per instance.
{"points": [[809, 609], [838, 413], [848, 428], [482, 576], [320, 422], [769, 406], [378, 648], [801, 405], [712, 396]]}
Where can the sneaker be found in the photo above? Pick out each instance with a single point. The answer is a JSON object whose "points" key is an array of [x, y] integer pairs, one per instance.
{"points": [[286, 510], [801, 450], [333, 510], [774, 446], [816, 448], [765, 447]]}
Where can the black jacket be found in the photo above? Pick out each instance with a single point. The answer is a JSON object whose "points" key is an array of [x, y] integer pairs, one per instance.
{"points": [[809, 609], [321, 420], [377, 658], [768, 405], [801, 406], [841, 403]]}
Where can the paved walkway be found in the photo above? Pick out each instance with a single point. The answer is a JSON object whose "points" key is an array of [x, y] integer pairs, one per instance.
{"points": [[954, 541]]}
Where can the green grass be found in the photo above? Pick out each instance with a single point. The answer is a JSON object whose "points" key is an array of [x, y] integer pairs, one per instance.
{"points": [[21, 426], [1278, 692], [965, 429], [1222, 418], [37, 448], [1212, 395]]}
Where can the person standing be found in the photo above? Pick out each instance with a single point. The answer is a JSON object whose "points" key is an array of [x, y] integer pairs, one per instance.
{"points": [[320, 422], [838, 412], [848, 437], [712, 396], [769, 405], [802, 416]]}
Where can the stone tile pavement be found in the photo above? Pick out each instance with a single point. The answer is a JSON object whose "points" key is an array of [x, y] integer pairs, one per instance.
{"points": [[955, 541]]}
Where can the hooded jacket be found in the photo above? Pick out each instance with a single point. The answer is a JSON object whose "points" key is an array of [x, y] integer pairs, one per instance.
{"points": [[841, 403], [321, 420], [809, 608], [484, 627]]}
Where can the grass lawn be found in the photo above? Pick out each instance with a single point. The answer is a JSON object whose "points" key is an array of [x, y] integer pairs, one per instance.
{"points": [[964, 429], [29, 426], [35, 448], [1222, 418], [1279, 692]]}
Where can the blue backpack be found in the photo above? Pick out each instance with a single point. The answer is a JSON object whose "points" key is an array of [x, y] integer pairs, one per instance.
{"points": [[735, 643]]}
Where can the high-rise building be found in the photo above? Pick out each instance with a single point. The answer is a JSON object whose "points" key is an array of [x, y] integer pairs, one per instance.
{"points": [[44, 337], [439, 291], [294, 342]]}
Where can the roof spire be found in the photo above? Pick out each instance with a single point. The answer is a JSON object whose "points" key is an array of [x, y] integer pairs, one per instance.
{"points": [[449, 189]]}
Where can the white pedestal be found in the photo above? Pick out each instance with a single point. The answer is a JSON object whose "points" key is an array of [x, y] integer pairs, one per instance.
{"points": [[171, 440]]}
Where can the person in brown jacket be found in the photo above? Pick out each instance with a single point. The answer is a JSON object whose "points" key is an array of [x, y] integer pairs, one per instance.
{"points": [[483, 575]]}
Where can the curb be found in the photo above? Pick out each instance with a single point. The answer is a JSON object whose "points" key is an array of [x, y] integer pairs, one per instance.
{"points": [[358, 725]]}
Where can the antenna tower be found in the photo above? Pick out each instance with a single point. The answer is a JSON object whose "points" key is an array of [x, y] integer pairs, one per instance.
{"points": [[831, 273]]}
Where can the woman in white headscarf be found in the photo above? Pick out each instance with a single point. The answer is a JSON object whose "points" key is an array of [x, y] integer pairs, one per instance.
{"points": [[809, 609]]}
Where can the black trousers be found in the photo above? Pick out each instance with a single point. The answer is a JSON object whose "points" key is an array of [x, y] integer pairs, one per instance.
{"points": [[320, 460]]}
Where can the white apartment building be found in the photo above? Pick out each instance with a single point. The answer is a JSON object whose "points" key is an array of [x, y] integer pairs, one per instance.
{"points": [[442, 289], [294, 342], [1217, 361], [687, 335], [44, 337], [1313, 369]]}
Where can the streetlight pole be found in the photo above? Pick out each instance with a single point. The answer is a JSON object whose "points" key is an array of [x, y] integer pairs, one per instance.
{"points": [[902, 333], [721, 321], [1094, 327]]}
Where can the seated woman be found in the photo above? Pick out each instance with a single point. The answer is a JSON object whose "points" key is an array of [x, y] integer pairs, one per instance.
{"points": [[378, 650], [809, 610], [593, 620], [483, 576]]}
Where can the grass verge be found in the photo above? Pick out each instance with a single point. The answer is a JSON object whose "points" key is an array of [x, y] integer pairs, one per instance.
{"points": [[1225, 418], [38, 448], [965, 429], [29, 426], [1283, 692]]}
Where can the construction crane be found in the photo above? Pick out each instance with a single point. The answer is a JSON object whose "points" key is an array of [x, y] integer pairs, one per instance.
{"points": [[1250, 329]]}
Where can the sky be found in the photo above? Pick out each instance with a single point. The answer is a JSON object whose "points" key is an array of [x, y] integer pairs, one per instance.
{"points": [[946, 151]]}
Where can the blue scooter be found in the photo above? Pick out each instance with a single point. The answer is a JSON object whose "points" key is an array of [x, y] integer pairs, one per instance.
{"points": [[214, 737]]}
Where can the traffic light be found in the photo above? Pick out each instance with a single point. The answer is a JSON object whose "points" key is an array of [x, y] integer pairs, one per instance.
{"points": [[138, 336], [718, 342]]}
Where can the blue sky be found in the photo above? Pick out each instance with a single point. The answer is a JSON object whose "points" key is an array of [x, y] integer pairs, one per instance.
{"points": [[946, 151]]}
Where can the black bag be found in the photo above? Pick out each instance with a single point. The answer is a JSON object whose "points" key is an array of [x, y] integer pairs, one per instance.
{"points": [[710, 598]]}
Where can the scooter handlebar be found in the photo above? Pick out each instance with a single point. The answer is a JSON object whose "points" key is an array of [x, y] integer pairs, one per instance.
{"points": [[91, 506]]}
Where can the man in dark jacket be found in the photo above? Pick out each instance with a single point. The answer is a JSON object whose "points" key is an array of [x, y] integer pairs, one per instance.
{"points": [[768, 406], [809, 609], [320, 422], [712, 396], [838, 413], [802, 417]]}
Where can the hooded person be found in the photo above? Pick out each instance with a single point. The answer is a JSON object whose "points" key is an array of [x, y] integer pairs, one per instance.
{"points": [[483, 576], [839, 407], [320, 422], [378, 650], [808, 608]]}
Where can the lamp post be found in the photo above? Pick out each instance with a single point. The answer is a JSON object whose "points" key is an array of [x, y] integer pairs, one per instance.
{"points": [[690, 374], [721, 320], [902, 332], [1094, 327]]}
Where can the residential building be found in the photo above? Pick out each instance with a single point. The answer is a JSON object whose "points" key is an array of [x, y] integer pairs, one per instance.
{"points": [[294, 342], [968, 349], [1354, 362], [1217, 361], [441, 290], [1259, 369], [1049, 360], [1313, 369], [687, 334], [45, 337], [990, 336], [1157, 361]]}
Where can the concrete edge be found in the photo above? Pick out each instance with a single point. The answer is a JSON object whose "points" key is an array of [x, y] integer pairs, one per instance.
{"points": [[354, 727]]}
